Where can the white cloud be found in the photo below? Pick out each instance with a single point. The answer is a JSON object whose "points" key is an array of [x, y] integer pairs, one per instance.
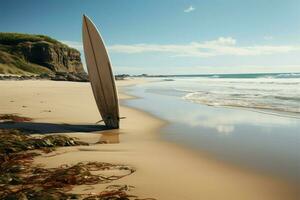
{"points": [[219, 47], [222, 41], [189, 9]]}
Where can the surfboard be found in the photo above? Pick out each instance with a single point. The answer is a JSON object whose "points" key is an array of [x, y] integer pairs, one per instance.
{"points": [[100, 74]]}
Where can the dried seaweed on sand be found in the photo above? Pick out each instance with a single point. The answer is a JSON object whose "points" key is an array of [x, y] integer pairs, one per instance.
{"points": [[14, 118], [21, 180]]}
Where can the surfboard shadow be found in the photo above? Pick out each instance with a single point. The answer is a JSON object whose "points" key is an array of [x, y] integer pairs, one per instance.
{"points": [[46, 128]]}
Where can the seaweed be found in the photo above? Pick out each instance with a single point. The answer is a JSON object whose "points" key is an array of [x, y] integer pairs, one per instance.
{"points": [[14, 141], [21, 180], [34, 182], [16, 153], [78, 174], [119, 192], [14, 118]]}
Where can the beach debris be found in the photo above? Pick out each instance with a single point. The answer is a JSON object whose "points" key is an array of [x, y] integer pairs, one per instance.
{"points": [[83, 173], [14, 118], [17, 152], [113, 192], [14, 140], [20, 179], [118, 193]]}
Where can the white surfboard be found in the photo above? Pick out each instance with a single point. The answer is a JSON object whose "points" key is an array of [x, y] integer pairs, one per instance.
{"points": [[100, 74]]}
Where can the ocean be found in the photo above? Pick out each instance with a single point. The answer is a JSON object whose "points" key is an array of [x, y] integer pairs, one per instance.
{"points": [[276, 92], [251, 120]]}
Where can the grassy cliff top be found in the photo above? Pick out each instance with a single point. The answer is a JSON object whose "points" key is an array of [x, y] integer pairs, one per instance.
{"points": [[17, 58], [16, 38]]}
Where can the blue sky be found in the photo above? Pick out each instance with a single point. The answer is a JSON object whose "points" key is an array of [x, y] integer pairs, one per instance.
{"points": [[172, 36]]}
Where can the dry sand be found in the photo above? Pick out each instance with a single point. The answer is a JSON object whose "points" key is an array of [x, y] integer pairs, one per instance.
{"points": [[164, 170]]}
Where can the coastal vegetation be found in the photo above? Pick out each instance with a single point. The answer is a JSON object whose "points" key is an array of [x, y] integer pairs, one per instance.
{"points": [[28, 54], [16, 38]]}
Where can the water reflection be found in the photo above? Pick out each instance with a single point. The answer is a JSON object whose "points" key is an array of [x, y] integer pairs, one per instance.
{"points": [[265, 142], [109, 138]]}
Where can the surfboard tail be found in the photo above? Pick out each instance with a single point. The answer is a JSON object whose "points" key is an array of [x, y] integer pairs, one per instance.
{"points": [[112, 123]]}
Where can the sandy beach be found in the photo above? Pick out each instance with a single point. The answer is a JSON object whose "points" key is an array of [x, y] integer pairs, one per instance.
{"points": [[163, 170]]}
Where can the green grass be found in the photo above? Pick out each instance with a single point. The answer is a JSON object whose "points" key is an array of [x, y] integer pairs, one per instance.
{"points": [[12, 59], [13, 64], [16, 38]]}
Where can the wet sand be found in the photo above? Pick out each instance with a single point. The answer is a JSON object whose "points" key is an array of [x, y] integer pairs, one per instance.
{"points": [[164, 170]]}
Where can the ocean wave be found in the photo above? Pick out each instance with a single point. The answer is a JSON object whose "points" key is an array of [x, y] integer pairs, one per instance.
{"points": [[242, 76], [289, 75], [285, 104], [271, 92]]}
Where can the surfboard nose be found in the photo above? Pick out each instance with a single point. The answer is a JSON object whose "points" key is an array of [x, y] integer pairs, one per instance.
{"points": [[85, 19]]}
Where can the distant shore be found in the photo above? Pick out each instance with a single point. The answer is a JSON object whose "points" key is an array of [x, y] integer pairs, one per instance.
{"points": [[164, 170], [58, 76]]}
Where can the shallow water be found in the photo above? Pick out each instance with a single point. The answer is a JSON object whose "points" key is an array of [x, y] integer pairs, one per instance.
{"points": [[261, 140], [272, 94]]}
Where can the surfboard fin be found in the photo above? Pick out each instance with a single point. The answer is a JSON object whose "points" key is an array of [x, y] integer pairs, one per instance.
{"points": [[103, 120]]}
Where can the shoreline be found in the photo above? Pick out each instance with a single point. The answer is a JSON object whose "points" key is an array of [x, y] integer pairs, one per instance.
{"points": [[202, 153], [140, 146], [251, 140]]}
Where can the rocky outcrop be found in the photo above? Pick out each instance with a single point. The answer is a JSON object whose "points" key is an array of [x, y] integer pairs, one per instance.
{"points": [[58, 76], [25, 54], [56, 57]]}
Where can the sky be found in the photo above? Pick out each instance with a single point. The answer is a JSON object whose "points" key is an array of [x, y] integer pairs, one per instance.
{"points": [[172, 36]]}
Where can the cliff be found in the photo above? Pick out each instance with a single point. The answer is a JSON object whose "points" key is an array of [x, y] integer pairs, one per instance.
{"points": [[25, 54]]}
